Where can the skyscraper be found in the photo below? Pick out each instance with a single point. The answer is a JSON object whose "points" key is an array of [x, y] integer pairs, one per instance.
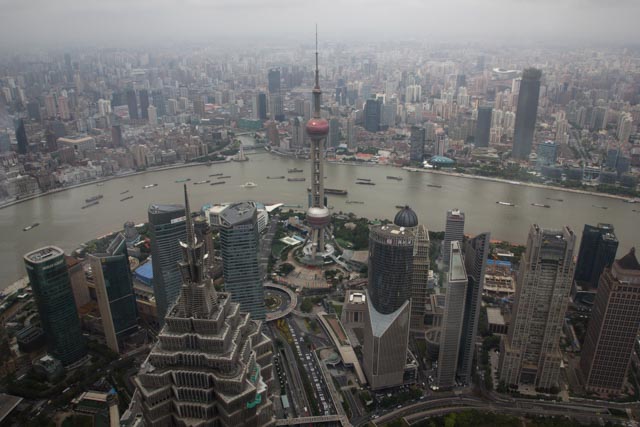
{"points": [[167, 228], [318, 215], [454, 311], [419, 277], [158, 102], [21, 138], [530, 354], [239, 244], [49, 279], [418, 138], [116, 136], [483, 126], [613, 327], [144, 103], [526, 114], [260, 107], [387, 318], [212, 365], [598, 249], [152, 114], [372, 113], [114, 291], [476, 252], [454, 230], [132, 103], [274, 81]]}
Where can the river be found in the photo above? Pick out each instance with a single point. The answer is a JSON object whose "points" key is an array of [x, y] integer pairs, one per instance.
{"points": [[65, 224]]}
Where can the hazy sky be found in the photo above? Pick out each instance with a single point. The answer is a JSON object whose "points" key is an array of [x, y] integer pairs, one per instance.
{"points": [[57, 23]]}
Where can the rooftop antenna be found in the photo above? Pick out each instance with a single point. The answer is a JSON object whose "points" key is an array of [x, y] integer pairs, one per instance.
{"points": [[190, 234]]}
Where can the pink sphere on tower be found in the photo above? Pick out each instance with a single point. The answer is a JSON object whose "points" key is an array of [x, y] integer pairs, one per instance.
{"points": [[317, 128]]}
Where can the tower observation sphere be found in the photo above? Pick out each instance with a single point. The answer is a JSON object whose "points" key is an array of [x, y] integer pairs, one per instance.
{"points": [[317, 128]]}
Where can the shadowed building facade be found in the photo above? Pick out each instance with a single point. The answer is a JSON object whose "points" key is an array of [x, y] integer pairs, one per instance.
{"points": [[530, 354], [613, 327], [526, 114]]}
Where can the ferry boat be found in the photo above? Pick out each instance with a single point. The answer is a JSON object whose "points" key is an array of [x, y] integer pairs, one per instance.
{"points": [[124, 192], [505, 203], [356, 202], [295, 170], [29, 227], [365, 183], [249, 185], [600, 207], [434, 185], [93, 198], [363, 179], [399, 207], [218, 182], [397, 178], [183, 180], [296, 179], [224, 177], [88, 205], [150, 186], [555, 200], [216, 174], [126, 198], [334, 191], [206, 181], [540, 205], [276, 177]]}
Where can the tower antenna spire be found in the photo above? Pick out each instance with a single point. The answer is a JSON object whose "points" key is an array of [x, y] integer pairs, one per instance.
{"points": [[317, 69], [187, 211]]}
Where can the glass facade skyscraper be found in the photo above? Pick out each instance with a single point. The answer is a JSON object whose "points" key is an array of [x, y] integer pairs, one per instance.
{"points": [[483, 126], [239, 243], [526, 114], [114, 290], [167, 228], [51, 286], [598, 249]]}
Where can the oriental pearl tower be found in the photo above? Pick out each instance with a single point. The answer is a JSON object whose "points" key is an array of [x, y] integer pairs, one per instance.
{"points": [[318, 216]]}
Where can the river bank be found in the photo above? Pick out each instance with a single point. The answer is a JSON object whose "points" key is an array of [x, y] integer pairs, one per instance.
{"points": [[109, 178]]}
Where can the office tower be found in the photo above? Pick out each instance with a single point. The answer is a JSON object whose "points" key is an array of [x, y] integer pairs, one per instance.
{"points": [[372, 111], [261, 102], [212, 365], [391, 283], [419, 277], [318, 215], [132, 103], [454, 230], [51, 286], [274, 81], [418, 137], [166, 229], [613, 327], [334, 132], [144, 103], [116, 136], [152, 114], [351, 133], [483, 126], [21, 138], [476, 252], [452, 322], [239, 246], [598, 249], [530, 354], [158, 102], [526, 114], [276, 105], [104, 107], [297, 133], [63, 108], [114, 291], [547, 153]]}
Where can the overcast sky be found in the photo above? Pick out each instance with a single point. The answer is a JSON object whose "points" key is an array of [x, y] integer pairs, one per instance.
{"points": [[121, 23]]}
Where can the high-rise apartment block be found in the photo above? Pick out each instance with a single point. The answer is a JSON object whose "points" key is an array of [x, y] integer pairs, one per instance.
{"points": [[49, 279], [114, 291], [531, 352], [454, 230], [526, 114], [167, 229], [613, 327]]}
